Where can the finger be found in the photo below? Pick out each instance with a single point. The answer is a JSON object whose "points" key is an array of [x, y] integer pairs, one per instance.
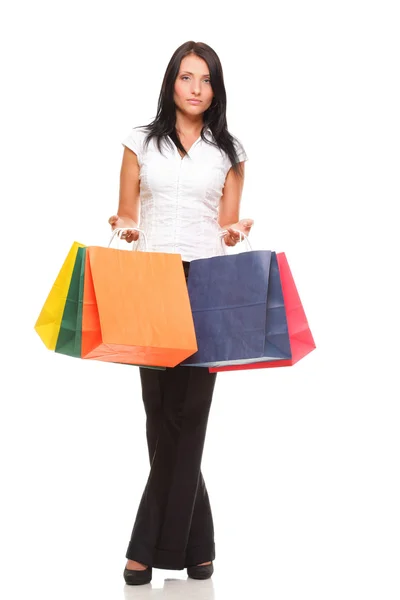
{"points": [[235, 237], [234, 233]]}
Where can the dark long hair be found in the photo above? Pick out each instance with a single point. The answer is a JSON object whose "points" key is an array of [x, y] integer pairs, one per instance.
{"points": [[214, 117]]}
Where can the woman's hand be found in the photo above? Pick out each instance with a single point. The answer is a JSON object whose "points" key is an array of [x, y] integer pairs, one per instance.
{"points": [[116, 222], [231, 238]]}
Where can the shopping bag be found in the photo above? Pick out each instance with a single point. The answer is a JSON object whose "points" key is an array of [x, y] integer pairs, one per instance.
{"points": [[136, 308], [48, 323], [69, 339], [228, 295], [300, 336]]}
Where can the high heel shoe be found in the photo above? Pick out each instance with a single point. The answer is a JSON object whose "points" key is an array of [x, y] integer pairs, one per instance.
{"points": [[200, 572], [136, 577]]}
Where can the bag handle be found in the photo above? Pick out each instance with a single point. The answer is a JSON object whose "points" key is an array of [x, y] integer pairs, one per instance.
{"points": [[222, 233], [119, 230]]}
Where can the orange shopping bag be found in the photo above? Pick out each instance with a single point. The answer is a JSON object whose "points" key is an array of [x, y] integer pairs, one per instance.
{"points": [[136, 308]]}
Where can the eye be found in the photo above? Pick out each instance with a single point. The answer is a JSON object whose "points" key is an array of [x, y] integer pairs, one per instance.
{"points": [[187, 77]]}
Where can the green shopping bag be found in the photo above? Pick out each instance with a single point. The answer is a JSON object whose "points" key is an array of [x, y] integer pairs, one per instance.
{"points": [[69, 339]]}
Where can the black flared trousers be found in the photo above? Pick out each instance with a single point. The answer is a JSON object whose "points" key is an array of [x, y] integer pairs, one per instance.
{"points": [[174, 527]]}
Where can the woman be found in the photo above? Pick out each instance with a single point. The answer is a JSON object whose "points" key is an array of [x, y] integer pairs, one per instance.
{"points": [[184, 172]]}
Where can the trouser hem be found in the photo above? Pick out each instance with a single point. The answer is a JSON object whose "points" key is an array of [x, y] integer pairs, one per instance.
{"points": [[171, 559], [140, 554], [199, 554]]}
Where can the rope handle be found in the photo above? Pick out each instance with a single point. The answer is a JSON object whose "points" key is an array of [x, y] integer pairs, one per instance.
{"points": [[225, 231], [119, 230]]}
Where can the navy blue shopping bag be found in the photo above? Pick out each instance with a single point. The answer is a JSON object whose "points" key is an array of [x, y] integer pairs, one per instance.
{"points": [[238, 310]]}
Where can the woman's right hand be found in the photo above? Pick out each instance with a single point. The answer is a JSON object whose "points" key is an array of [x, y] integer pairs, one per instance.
{"points": [[116, 222]]}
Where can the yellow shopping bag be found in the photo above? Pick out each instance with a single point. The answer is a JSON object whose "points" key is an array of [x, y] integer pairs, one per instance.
{"points": [[49, 321]]}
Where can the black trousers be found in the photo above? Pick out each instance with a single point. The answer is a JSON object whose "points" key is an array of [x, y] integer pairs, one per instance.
{"points": [[174, 527]]}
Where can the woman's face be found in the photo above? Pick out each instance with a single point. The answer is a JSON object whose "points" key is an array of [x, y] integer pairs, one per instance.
{"points": [[193, 82]]}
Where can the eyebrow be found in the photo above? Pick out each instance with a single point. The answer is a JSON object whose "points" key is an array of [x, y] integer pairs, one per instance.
{"points": [[205, 74]]}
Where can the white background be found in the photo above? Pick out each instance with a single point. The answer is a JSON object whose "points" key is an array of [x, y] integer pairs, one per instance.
{"points": [[301, 464]]}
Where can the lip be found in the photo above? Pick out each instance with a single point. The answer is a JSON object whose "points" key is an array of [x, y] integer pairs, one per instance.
{"points": [[193, 101]]}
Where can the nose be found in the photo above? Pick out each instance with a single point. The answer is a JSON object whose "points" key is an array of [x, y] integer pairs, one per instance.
{"points": [[195, 88]]}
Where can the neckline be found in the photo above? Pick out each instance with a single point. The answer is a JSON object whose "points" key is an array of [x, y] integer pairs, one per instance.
{"points": [[207, 130]]}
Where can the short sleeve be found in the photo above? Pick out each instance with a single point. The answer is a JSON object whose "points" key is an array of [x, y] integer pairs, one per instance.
{"points": [[134, 141], [240, 150]]}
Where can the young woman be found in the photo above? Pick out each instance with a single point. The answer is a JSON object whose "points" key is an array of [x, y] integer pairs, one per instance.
{"points": [[183, 175]]}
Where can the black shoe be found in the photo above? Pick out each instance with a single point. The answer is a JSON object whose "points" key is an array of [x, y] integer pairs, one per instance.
{"points": [[200, 572], [136, 577]]}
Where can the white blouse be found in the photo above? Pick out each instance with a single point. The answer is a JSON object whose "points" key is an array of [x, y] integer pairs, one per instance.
{"points": [[179, 197]]}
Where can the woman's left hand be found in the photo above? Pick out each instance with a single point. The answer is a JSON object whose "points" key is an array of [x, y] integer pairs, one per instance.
{"points": [[231, 238]]}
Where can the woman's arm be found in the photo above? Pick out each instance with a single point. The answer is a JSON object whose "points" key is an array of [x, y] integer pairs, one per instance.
{"points": [[129, 196], [229, 208], [129, 187], [229, 204]]}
